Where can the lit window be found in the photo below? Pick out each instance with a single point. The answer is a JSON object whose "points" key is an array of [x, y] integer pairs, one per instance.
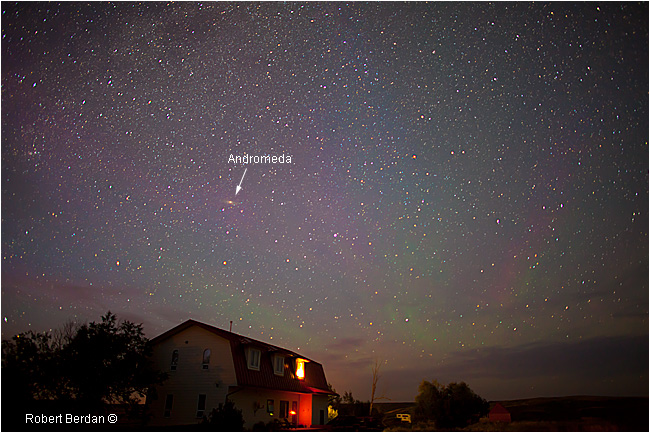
{"points": [[300, 368], [174, 360], [278, 365], [206, 359], [270, 407], [200, 407], [254, 358]]}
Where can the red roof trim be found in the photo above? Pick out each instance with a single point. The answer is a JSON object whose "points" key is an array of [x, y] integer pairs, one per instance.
{"points": [[321, 391]]}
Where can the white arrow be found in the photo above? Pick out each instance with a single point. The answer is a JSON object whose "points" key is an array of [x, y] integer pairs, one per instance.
{"points": [[242, 179]]}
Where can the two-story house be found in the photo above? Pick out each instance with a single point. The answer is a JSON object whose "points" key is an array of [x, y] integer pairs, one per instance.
{"points": [[208, 365]]}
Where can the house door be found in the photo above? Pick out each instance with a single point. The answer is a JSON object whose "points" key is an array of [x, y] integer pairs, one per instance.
{"points": [[284, 409], [322, 417]]}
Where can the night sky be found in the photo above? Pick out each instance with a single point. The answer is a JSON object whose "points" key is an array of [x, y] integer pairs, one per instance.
{"points": [[467, 197]]}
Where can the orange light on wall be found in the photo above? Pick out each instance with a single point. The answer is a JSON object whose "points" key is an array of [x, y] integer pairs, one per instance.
{"points": [[300, 368], [292, 412]]}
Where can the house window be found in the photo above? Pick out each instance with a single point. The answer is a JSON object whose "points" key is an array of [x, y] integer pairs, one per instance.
{"points": [[300, 368], [206, 359], [169, 402], [294, 413], [278, 365], [254, 358], [174, 360], [270, 407], [284, 409], [200, 407]]}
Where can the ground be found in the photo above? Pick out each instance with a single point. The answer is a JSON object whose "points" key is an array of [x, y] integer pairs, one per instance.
{"points": [[578, 413]]}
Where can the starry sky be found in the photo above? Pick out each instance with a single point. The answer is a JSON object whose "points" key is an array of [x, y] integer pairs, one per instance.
{"points": [[467, 198]]}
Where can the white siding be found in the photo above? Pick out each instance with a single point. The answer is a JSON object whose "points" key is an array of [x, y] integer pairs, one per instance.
{"points": [[190, 379], [318, 403]]}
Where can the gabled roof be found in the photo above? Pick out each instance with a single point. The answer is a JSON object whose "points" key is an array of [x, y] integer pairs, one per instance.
{"points": [[499, 409], [313, 383]]}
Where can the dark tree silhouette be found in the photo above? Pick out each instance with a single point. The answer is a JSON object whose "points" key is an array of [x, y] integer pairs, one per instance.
{"points": [[333, 400], [30, 365], [108, 362], [81, 367], [349, 406], [451, 406], [348, 398]]}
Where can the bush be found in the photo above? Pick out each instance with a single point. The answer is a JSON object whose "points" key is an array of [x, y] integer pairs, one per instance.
{"points": [[273, 425], [226, 418]]}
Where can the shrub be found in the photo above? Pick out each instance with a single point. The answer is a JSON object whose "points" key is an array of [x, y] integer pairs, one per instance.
{"points": [[226, 418]]}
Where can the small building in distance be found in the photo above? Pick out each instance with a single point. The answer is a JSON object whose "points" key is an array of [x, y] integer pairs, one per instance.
{"points": [[208, 366], [499, 414]]}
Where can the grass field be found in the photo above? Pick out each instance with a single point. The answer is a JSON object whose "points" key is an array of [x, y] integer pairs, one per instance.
{"points": [[574, 413]]}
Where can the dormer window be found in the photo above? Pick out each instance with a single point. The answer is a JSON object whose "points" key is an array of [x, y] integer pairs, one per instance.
{"points": [[300, 368], [278, 365], [254, 358], [174, 360], [206, 359]]}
